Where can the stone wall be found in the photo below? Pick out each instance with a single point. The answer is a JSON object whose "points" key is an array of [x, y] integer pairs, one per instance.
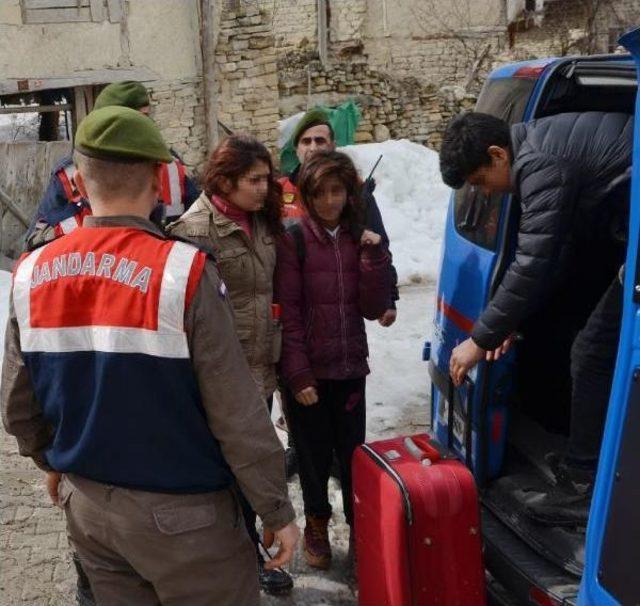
{"points": [[407, 79], [247, 74], [178, 109], [346, 22], [293, 22], [391, 107]]}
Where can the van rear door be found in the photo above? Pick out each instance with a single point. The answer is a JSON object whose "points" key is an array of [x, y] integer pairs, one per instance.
{"points": [[612, 552], [473, 251]]}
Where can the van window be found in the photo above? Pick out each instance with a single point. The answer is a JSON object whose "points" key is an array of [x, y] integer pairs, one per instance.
{"points": [[476, 216]]}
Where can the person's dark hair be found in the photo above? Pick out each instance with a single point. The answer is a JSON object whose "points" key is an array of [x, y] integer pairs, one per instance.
{"points": [[232, 159], [318, 168], [465, 143]]}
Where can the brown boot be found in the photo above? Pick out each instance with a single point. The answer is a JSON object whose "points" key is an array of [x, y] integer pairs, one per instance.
{"points": [[317, 549]]}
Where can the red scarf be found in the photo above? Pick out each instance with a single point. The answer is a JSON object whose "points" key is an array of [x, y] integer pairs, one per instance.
{"points": [[235, 214]]}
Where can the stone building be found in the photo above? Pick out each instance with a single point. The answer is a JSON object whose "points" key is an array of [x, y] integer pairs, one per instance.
{"points": [[220, 66]]}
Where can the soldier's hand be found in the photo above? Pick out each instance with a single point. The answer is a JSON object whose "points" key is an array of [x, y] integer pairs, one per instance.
{"points": [[52, 481], [307, 396], [288, 539]]}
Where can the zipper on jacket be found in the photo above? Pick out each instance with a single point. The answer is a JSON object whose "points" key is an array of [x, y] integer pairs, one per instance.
{"points": [[343, 323]]}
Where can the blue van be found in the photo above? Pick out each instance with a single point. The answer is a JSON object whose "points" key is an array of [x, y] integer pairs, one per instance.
{"points": [[509, 413]]}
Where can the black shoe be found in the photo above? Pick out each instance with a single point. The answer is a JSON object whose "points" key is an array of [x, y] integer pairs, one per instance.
{"points": [[561, 508], [273, 582], [576, 476], [291, 460]]}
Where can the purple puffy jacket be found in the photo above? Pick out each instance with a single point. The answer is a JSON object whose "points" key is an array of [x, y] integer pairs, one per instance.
{"points": [[324, 298]]}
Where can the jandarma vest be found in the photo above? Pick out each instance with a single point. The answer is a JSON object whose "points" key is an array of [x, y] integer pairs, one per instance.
{"points": [[172, 192], [101, 318], [291, 206]]}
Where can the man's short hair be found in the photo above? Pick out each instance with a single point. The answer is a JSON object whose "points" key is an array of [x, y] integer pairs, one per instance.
{"points": [[465, 145], [114, 178]]}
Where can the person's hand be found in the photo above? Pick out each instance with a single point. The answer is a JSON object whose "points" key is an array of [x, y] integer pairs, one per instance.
{"points": [[369, 238], [495, 354], [388, 317], [52, 481], [288, 538], [463, 358], [308, 396]]}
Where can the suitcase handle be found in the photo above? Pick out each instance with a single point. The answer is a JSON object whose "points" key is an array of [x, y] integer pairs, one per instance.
{"points": [[421, 449]]}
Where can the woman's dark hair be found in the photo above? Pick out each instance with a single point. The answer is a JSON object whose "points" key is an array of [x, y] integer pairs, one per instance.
{"points": [[465, 143], [232, 159], [317, 169]]}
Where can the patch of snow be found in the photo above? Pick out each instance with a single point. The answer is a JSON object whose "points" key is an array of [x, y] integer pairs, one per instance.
{"points": [[413, 201], [286, 128]]}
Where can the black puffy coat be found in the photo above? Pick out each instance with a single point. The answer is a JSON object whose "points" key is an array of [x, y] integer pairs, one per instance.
{"points": [[567, 171]]}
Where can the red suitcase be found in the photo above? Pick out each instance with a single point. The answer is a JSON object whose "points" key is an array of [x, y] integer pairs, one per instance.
{"points": [[417, 525]]}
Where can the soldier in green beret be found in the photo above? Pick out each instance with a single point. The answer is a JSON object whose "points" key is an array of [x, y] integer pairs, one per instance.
{"points": [[124, 380], [63, 208]]}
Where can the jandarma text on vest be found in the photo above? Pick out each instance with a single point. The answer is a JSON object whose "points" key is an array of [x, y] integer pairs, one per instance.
{"points": [[104, 266]]}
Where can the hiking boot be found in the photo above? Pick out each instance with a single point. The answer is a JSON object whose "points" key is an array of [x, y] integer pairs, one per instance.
{"points": [[317, 549], [291, 461], [273, 582]]}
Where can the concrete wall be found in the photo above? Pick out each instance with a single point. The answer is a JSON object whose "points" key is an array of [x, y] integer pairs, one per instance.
{"points": [[160, 36]]}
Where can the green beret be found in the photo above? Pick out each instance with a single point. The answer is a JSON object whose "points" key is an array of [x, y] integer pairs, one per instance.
{"points": [[314, 117], [121, 133], [128, 94]]}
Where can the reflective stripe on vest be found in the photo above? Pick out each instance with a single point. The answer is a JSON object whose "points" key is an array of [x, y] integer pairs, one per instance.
{"points": [[67, 226], [160, 335], [65, 175], [70, 223], [172, 191]]}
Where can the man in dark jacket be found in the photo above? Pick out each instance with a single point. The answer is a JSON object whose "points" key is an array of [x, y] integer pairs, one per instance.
{"points": [[567, 171]]}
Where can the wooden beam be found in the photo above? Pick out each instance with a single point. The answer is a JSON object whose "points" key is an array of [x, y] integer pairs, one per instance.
{"points": [[322, 31], [37, 4], [15, 210], [208, 44], [36, 109], [11, 86]]}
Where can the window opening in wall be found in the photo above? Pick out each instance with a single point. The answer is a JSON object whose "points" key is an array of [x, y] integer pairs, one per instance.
{"points": [[46, 115], [56, 11], [72, 11], [41, 116]]}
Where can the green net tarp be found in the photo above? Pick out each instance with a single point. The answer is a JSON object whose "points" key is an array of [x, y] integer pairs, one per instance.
{"points": [[344, 121]]}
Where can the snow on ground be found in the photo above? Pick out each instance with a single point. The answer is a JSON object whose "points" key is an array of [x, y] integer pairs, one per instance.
{"points": [[397, 404], [413, 202]]}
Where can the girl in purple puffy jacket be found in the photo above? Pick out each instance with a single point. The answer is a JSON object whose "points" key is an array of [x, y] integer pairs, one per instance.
{"points": [[330, 275]]}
